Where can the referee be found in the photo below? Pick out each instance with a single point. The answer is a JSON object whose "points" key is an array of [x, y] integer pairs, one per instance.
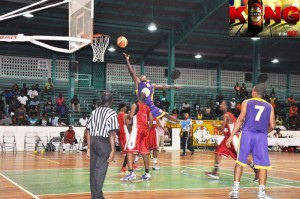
{"points": [[102, 127]]}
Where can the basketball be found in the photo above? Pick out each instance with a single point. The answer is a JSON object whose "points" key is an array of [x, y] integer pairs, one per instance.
{"points": [[122, 42]]}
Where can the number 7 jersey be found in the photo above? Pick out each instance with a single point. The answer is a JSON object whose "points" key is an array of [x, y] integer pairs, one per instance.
{"points": [[257, 118]]}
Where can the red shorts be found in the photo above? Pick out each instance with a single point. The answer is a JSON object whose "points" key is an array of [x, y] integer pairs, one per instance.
{"points": [[138, 141], [224, 151], [123, 136], [153, 139]]}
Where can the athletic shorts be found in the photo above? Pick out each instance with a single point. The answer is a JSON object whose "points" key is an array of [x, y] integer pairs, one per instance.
{"points": [[156, 112], [138, 141], [123, 136], [153, 139], [224, 151], [257, 144]]}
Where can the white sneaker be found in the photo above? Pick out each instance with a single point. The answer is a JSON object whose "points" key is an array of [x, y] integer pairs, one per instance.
{"points": [[262, 195], [155, 167], [130, 176], [234, 194]]}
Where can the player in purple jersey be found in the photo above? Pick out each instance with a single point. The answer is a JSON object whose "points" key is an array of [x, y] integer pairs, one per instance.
{"points": [[258, 119], [145, 86]]}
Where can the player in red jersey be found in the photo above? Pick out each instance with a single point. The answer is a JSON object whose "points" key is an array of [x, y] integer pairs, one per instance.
{"points": [[153, 143], [226, 127], [123, 133], [138, 140]]}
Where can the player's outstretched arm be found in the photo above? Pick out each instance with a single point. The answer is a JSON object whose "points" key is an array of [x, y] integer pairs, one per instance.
{"points": [[166, 87], [131, 71]]}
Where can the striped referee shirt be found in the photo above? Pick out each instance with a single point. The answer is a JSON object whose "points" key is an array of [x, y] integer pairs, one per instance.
{"points": [[103, 120]]}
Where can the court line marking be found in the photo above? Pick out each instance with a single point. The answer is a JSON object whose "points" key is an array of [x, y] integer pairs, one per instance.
{"points": [[47, 159], [19, 186], [192, 168]]}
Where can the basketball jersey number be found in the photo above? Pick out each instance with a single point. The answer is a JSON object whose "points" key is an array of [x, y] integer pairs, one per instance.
{"points": [[260, 111]]}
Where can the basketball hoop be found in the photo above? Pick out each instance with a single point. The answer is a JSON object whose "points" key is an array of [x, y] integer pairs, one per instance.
{"points": [[99, 45]]}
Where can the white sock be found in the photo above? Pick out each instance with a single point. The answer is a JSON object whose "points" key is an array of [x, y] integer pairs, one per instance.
{"points": [[261, 188], [236, 185], [136, 159], [154, 160]]}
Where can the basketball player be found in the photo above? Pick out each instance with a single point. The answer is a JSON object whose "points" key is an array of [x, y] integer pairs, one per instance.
{"points": [[123, 133], [257, 118], [138, 140], [153, 143], [226, 128], [144, 85]]}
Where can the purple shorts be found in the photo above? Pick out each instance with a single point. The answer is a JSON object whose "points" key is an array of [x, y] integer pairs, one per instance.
{"points": [[257, 145], [156, 112]]}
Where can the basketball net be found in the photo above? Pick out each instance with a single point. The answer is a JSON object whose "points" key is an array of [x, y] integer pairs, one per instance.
{"points": [[99, 45]]}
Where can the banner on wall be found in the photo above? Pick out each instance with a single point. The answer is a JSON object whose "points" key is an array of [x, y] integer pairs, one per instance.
{"points": [[203, 131], [168, 138]]}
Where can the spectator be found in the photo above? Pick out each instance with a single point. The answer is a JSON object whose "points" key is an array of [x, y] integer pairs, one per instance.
{"points": [[33, 120], [32, 93], [164, 101], [94, 105], [13, 104], [45, 121], [6, 121], [237, 90], [186, 108], [23, 99], [59, 102], [197, 106], [60, 123], [49, 107], [15, 90], [233, 105], [83, 120], [293, 111], [53, 120], [266, 97], [175, 113], [69, 138], [157, 102], [75, 103], [63, 110], [272, 92], [244, 91], [2, 106], [37, 89], [24, 89], [20, 115], [273, 100], [199, 115], [49, 86], [8, 96], [291, 100], [34, 107]]}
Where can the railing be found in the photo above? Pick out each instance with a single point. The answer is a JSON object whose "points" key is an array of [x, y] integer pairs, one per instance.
{"points": [[83, 80]]}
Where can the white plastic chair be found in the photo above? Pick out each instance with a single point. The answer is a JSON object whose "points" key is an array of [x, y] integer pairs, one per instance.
{"points": [[42, 140], [30, 141], [9, 141], [56, 142]]}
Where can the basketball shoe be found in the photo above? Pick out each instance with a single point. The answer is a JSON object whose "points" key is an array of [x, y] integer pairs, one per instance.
{"points": [[130, 176], [213, 175], [155, 167], [262, 194], [234, 194], [146, 177]]}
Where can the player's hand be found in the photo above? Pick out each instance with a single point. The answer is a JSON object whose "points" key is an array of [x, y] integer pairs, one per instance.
{"points": [[228, 142], [111, 156], [126, 56], [88, 154]]}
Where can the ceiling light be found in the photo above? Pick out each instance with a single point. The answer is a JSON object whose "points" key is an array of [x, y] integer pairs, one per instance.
{"points": [[255, 38], [152, 27], [198, 56], [111, 49], [28, 15], [275, 60]]}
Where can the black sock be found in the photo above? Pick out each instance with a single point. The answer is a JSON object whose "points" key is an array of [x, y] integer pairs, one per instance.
{"points": [[130, 170], [216, 168], [125, 161], [147, 170]]}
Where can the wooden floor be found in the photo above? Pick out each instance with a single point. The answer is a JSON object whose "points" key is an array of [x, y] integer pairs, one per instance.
{"points": [[29, 175]]}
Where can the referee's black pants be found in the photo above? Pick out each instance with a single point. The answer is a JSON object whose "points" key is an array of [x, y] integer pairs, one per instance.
{"points": [[99, 154], [186, 144]]}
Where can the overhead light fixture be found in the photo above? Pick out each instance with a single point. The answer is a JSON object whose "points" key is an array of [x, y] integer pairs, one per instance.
{"points": [[275, 60], [198, 56], [28, 15], [111, 49], [152, 27], [255, 38]]}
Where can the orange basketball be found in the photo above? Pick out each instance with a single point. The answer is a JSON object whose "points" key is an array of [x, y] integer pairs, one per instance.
{"points": [[122, 42]]}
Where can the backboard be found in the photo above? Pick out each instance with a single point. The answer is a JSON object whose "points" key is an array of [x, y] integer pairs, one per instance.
{"points": [[81, 19]]}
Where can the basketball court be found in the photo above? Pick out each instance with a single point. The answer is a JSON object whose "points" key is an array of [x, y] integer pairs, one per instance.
{"points": [[66, 175]]}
